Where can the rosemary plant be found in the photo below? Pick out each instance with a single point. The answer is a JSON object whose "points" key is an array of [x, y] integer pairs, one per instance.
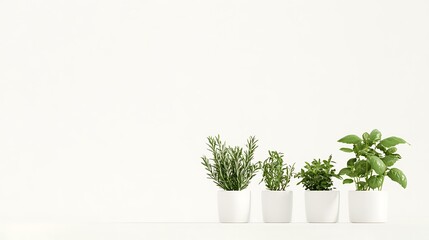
{"points": [[230, 168]]}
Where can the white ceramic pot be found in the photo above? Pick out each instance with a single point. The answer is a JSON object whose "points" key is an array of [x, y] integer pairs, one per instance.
{"points": [[322, 206], [368, 206], [277, 206], [233, 206]]}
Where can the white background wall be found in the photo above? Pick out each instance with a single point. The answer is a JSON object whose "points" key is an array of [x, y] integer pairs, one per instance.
{"points": [[105, 105]]}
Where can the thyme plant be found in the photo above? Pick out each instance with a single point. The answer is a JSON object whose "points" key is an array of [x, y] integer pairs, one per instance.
{"points": [[317, 175], [373, 161], [275, 173], [230, 168]]}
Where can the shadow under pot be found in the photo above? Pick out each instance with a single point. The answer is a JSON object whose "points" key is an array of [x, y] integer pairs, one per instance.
{"points": [[322, 206], [277, 206], [233, 206], [368, 206]]}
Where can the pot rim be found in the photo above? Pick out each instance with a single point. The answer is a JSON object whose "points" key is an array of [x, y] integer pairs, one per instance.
{"points": [[368, 192], [322, 191], [234, 191], [280, 191]]}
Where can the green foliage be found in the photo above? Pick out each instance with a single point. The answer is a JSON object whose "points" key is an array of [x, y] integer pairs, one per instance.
{"points": [[398, 176], [275, 173], [350, 139], [230, 168], [373, 160], [317, 175]]}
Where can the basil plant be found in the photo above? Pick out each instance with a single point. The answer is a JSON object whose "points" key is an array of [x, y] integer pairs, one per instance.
{"points": [[373, 161]]}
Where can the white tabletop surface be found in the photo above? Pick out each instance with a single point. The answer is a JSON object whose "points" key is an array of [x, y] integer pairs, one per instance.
{"points": [[136, 230]]}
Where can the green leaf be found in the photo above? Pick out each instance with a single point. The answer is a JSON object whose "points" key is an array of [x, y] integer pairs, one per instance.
{"points": [[392, 141], [365, 137], [361, 146], [275, 173], [350, 139], [381, 147], [361, 185], [389, 160], [398, 176], [347, 181], [392, 150], [362, 167], [351, 162], [346, 150], [375, 182], [345, 171], [318, 175], [377, 164], [375, 135]]}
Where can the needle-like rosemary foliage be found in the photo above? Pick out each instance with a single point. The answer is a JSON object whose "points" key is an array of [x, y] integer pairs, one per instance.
{"points": [[275, 173], [230, 168]]}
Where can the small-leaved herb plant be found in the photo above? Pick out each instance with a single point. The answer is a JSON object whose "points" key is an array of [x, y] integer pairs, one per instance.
{"points": [[275, 174], [318, 175], [230, 168], [373, 161]]}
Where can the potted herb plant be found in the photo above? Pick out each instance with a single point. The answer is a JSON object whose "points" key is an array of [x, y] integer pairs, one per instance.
{"points": [[231, 169], [276, 201], [373, 160], [321, 202]]}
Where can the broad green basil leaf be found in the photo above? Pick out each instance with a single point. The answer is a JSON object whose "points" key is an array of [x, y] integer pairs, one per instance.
{"points": [[362, 167], [398, 176], [381, 147], [375, 135], [361, 146], [377, 164], [366, 138], [392, 141], [350, 139], [392, 150], [389, 160], [375, 182]]}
